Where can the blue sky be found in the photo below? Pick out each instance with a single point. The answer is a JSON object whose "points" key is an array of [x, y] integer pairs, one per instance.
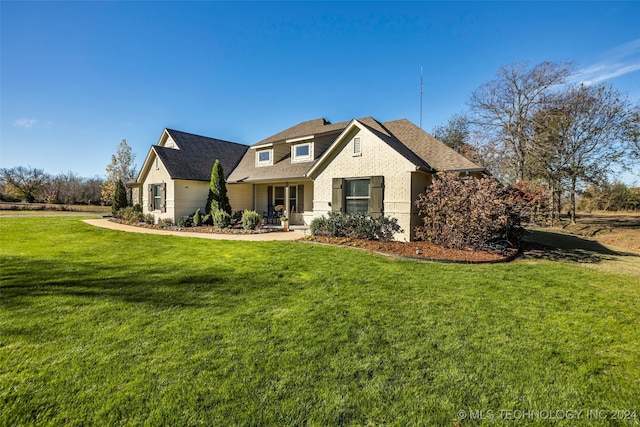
{"points": [[78, 77]]}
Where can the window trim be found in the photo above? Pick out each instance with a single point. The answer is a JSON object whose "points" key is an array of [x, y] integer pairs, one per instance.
{"points": [[264, 162], [376, 194], [299, 159], [157, 197], [157, 194], [367, 197]]}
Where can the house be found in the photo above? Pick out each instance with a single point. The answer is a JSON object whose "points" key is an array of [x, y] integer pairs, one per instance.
{"points": [[315, 167], [174, 179]]}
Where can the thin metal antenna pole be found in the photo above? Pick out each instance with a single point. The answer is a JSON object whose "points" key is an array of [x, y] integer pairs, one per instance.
{"points": [[421, 83]]}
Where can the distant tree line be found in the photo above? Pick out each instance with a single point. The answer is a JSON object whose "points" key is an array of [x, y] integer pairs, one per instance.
{"points": [[531, 124], [610, 197], [29, 184]]}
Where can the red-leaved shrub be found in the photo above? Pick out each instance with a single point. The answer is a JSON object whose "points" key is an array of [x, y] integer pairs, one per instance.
{"points": [[466, 213], [532, 200]]}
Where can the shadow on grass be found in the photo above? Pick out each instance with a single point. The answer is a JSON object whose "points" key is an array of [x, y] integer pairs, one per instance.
{"points": [[609, 221], [539, 244], [24, 278]]}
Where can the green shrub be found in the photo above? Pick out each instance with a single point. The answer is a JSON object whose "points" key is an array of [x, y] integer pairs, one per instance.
{"points": [[119, 198], [251, 220], [149, 219], [218, 198], [137, 208], [129, 215], [165, 222], [207, 220], [221, 219], [185, 221], [355, 226], [318, 226], [197, 218], [237, 217]]}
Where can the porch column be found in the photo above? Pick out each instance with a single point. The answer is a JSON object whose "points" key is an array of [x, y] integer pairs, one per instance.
{"points": [[254, 197], [286, 201]]}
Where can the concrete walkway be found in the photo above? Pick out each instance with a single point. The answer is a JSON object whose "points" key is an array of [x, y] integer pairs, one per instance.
{"points": [[263, 237]]}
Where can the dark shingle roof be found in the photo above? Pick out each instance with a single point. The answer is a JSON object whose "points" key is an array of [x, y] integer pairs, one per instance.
{"points": [[283, 168], [311, 127], [428, 149], [416, 145], [197, 154]]}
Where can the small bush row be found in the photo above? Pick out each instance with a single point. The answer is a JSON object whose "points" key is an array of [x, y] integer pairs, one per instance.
{"points": [[355, 226], [133, 215], [250, 219]]}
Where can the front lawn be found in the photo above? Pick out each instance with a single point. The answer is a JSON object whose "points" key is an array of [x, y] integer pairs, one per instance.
{"points": [[109, 328]]}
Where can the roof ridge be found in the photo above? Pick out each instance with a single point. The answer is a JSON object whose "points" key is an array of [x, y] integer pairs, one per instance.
{"points": [[203, 136]]}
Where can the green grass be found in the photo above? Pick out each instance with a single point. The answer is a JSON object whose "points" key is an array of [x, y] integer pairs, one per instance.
{"points": [[111, 328]]}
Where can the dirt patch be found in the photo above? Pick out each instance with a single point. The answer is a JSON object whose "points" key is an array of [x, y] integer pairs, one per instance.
{"points": [[419, 250]]}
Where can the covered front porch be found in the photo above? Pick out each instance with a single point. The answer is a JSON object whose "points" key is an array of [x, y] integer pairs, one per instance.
{"points": [[284, 199], [275, 199]]}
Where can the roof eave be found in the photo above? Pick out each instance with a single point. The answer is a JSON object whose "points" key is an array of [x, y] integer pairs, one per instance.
{"points": [[468, 170], [147, 163], [420, 168], [276, 179]]}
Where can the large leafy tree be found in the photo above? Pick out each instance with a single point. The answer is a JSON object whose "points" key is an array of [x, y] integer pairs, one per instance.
{"points": [[218, 199], [455, 133], [121, 168], [504, 108]]}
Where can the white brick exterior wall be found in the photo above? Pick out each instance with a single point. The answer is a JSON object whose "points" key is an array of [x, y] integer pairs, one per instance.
{"points": [[157, 175], [377, 158]]}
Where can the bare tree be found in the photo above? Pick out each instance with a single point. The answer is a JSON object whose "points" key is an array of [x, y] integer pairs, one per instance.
{"points": [[91, 190], [24, 182], [585, 131], [548, 154], [634, 131], [504, 107]]}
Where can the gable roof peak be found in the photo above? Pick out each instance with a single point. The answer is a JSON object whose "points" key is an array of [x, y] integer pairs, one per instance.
{"points": [[193, 155]]}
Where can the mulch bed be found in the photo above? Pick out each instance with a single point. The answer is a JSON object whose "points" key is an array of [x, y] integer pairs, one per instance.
{"points": [[200, 229], [415, 250], [420, 250]]}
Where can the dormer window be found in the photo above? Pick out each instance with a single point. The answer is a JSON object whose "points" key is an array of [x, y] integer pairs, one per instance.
{"points": [[264, 157], [302, 152]]}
